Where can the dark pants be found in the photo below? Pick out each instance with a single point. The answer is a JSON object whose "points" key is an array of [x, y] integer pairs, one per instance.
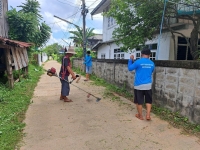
{"points": [[142, 95], [65, 88]]}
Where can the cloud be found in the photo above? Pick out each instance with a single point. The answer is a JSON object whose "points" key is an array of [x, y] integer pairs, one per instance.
{"points": [[66, 9]]}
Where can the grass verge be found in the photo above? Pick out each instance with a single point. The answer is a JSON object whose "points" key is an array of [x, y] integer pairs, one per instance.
{"points": [[173, 118], [13, 105]]}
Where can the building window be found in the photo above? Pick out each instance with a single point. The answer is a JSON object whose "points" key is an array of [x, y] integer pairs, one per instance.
{"points": [[103, 56], [183, 51], [152, 47], [118, 54], [153, 56], [1, 8], [138, 55], [109, 19], [122, 56]]}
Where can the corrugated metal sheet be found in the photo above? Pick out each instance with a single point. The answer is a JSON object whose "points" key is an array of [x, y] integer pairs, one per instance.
{"points": [[8, 42]]}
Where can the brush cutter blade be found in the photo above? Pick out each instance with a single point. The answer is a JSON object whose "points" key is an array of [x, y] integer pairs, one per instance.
{"points": [[98, 99]]}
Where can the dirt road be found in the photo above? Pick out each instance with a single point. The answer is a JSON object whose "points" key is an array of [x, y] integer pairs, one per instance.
{"points": [[85, 124]]}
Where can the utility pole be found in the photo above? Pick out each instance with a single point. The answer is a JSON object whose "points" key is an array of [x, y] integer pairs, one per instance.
{"points": [[66, 21], [84, 13]]}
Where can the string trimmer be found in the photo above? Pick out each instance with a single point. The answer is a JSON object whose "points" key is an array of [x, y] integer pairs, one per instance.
{"points": [[52, 72]]}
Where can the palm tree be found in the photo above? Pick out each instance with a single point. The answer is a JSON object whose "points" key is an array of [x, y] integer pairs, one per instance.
{"points": [[78, 35]]}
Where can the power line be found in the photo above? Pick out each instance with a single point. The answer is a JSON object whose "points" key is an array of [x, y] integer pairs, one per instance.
{"points": [[66, 18], [67, 3]]}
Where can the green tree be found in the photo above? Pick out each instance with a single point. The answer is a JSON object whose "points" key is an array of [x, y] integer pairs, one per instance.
{"points": [[52, 49], [78, 35], [79, 53], [24, 25], [139, 21], [31, 6]]}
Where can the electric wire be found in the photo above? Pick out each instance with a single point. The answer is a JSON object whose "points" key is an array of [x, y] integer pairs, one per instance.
{"points": [[67, 3], [66, 18], [70, 25]]}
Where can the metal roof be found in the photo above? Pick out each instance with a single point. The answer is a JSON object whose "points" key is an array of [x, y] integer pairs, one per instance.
{"points": [[9, 42], [100, 43], [100, 7], [97, 37]]}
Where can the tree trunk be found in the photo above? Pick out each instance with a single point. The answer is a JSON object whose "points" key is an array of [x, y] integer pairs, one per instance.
{"points": [[194, 40]]}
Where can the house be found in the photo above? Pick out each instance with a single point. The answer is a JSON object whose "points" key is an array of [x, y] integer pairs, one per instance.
{"points": [[13, 54], [42, 57], [93, 40], [170, 48]]}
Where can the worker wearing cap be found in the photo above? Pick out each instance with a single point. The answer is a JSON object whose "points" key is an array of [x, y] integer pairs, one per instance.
{"points": [[144, 68], [65, 71]]}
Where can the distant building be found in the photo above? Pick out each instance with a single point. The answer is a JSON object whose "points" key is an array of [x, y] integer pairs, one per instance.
{"points": [[168, 50], [93, 40], [63, 50]]}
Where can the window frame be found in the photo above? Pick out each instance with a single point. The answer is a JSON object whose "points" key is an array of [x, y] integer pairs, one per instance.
{"points": [[1, 8], [104, 56]]}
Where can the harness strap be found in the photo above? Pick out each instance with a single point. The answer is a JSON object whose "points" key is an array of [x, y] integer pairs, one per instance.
{"points": [[63, 73]]}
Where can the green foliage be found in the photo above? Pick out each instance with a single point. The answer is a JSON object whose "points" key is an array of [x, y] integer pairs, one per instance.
{"points": [[79, 53], [13, 105], [31, 6], [42, 35], [143, 27], [174, 118], [24, 25], [78, 35], [139, 21], [52, 49]]}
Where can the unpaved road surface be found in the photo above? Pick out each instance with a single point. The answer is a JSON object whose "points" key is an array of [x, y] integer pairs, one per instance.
{"points": [[85, 124]]}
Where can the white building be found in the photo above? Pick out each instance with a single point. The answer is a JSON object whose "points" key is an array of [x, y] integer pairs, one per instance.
{"points": [[42, 57], [169, 50]]}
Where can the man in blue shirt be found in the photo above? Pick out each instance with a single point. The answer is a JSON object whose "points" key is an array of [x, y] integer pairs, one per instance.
{"points": [[88, 65], [144, 68]]}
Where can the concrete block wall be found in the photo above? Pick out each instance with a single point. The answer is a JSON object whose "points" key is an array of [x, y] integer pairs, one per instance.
{"points": [[176, 84]]}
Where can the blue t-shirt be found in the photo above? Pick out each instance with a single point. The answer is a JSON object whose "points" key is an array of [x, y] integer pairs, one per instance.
{"points": [[144, 68], [88, 60]]}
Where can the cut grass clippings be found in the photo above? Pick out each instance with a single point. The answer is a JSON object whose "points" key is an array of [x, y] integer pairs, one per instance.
{"points": [[13, 105], [173, 118]]}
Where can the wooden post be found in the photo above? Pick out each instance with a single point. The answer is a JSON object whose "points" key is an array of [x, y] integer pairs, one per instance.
{"points": [[26, 70], [3, 21], [9, 67]]}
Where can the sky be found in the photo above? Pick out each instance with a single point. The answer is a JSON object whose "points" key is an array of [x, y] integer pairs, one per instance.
{"points": [[66, 9]]}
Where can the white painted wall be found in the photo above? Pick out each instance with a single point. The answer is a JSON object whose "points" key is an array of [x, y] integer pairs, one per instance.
{"points": [[108, 49], [166, 43], [107, 31], [164, 48], [42, 57]]}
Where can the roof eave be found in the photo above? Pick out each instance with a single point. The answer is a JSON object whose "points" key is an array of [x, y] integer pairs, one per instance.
{"points": [[95, 11]]}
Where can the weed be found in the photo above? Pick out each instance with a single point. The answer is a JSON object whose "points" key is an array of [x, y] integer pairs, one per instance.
{"points": [[13, 105], [177, 120], [174, 118]]}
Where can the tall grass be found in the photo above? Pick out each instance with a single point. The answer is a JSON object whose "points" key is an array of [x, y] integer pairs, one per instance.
{"points": [[13, 105]]}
